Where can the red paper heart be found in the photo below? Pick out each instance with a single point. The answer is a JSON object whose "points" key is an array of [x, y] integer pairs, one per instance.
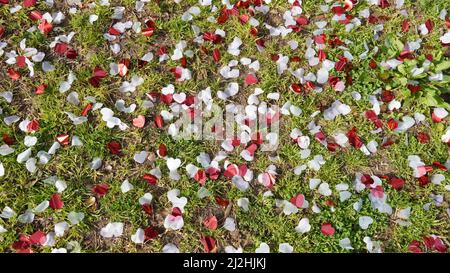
{"points": [[56, 202], [251, 79], [327, 229], [29, 3]]}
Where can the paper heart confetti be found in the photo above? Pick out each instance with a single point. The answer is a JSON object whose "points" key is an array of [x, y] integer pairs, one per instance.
{"points": [[228, 125]]}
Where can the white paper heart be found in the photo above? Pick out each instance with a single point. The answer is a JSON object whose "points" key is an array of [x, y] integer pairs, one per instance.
{"points": [[75, 217], [41, 207], [60, 228], [138, 237], [146, 199], [173, 163], [140, 157], [289, 208], [24, 156], [173, 222], [345, 244], [114, 229], [324, 189], [179, 98], [263, 248], [229, 224], [126, 186], [285, 248], [7, 213], [170, 248]]}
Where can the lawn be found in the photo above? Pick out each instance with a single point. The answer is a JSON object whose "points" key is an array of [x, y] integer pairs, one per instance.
{"points": [[354, 94]]}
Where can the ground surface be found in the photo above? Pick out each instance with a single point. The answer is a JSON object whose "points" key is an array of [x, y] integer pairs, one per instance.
{"points": [[380, 67]]}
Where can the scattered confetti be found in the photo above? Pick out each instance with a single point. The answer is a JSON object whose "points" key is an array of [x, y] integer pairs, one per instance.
{"points": [[224, 126]]}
